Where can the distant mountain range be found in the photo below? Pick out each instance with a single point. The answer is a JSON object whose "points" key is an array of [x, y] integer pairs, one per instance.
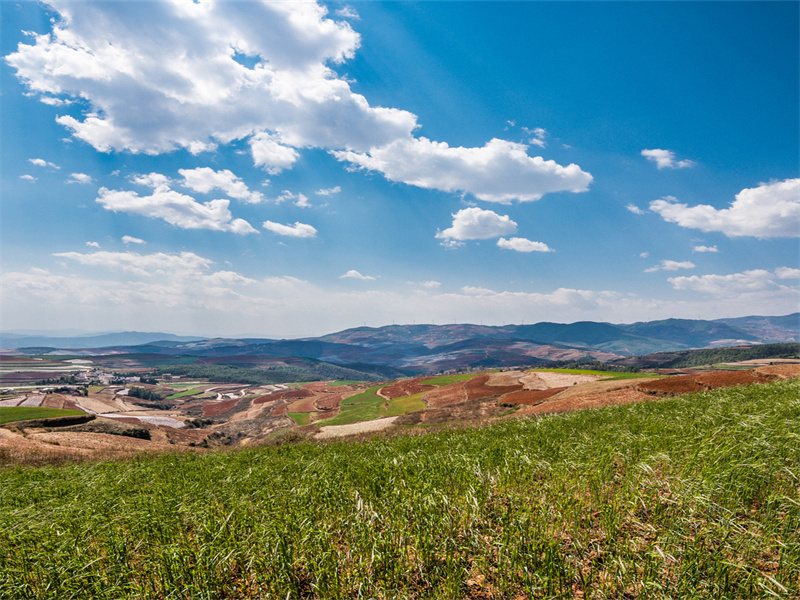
{"points": [[415, 349]]}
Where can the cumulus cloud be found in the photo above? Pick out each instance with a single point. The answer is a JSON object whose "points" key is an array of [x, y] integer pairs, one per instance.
{"points": [[81, 178], [500, 171], [40, 162], [705, 249], [298, 230], [152, 180], [353, 274], [176, 209], [271, 154], [93, 244], [161, 76], [635, 209], [477, 224], [328, 191], [30, 178], [756, 280], [168, 75], [300, 200], [767, 211], [671, 265], [665, 159], [205, 179], [129, 239], [523, 245]]}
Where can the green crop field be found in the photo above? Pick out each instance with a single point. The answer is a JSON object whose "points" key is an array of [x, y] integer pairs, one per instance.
{"points": [[183, 394], [606, 375], [448, 379], [691, 497], [361, 407], [23, 413], [402, 405]]}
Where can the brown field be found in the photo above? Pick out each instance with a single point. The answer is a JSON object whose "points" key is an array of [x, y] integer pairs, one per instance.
{"points": [[683, 384], [477, 388], [557, 404], [214, 409], [530, 397], [405, 387]]}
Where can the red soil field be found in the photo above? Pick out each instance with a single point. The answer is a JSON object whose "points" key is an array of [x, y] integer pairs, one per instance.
{"points": [[530, 397], [304, 405], [280, 410], [445, 396], [476, 388], [214, 409], [611, 398], [330, 401], [683, 384], [406, 387], [289, 395]]}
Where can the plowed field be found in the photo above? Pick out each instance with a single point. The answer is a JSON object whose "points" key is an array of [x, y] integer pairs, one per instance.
{"points": [[530, 397], [683, 384], [405, 387]]}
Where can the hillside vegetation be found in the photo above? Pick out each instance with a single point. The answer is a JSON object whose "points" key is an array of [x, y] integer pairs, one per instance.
{"points": [[695, 496]]}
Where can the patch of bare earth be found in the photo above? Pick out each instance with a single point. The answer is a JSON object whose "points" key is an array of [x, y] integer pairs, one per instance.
{"points": [[405, 387], [574, 402], [334, 431]]}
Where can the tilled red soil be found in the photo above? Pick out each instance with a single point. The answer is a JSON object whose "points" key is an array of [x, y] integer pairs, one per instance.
{"points": [[407, 387], [213, 409], [288, 394], [476, 388], [530, 397], [685, 384]]}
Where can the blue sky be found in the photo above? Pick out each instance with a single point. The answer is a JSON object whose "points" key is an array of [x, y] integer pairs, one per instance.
{"points": [[290, 169]]}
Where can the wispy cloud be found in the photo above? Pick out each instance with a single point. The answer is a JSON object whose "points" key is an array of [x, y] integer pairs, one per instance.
{"points": [[353, 274], [665, 159], [523, 245], [671, 265], [298, 230]]}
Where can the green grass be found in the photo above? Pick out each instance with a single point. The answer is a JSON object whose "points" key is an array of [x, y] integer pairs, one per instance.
{"points": [[692, 497], [448, 379], [402, 405], [606, 375], [22, 413], [361, 407], [338, 383], [189, 392], [300, 418]]}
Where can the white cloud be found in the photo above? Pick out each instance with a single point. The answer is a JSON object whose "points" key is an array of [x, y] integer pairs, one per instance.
{"points": [[538, 136], [205, 179], [328, 191], [272, 155], [175, 208], [787, 273], [705, 249], [152, 180], [348, 12], [523, 245], [500, 171], [143, 265], [40, 162], [756, 280], [477, 224], [93, 244], [128, 239], [166, 75], [81, 178], [300, 200], [770, 210], [30, 178], [430, 284], [665, 159], [353, 274], [635, 209], [298, 230], [671, 265], [161, 76], [644, 254]]}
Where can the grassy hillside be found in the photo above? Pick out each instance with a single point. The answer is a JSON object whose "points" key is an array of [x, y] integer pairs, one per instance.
{"points": [[10, 414], [690, 497]]}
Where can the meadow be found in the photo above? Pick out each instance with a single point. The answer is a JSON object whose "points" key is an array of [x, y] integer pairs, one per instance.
{"points": [[693, 497], [10, 414]]}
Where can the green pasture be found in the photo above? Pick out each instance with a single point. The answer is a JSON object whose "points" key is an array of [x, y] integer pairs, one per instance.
{"points": [[300, 418], [361, 407], [691, 497], [183, 394], [402, 405], [10, 414], [606, 375]]}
